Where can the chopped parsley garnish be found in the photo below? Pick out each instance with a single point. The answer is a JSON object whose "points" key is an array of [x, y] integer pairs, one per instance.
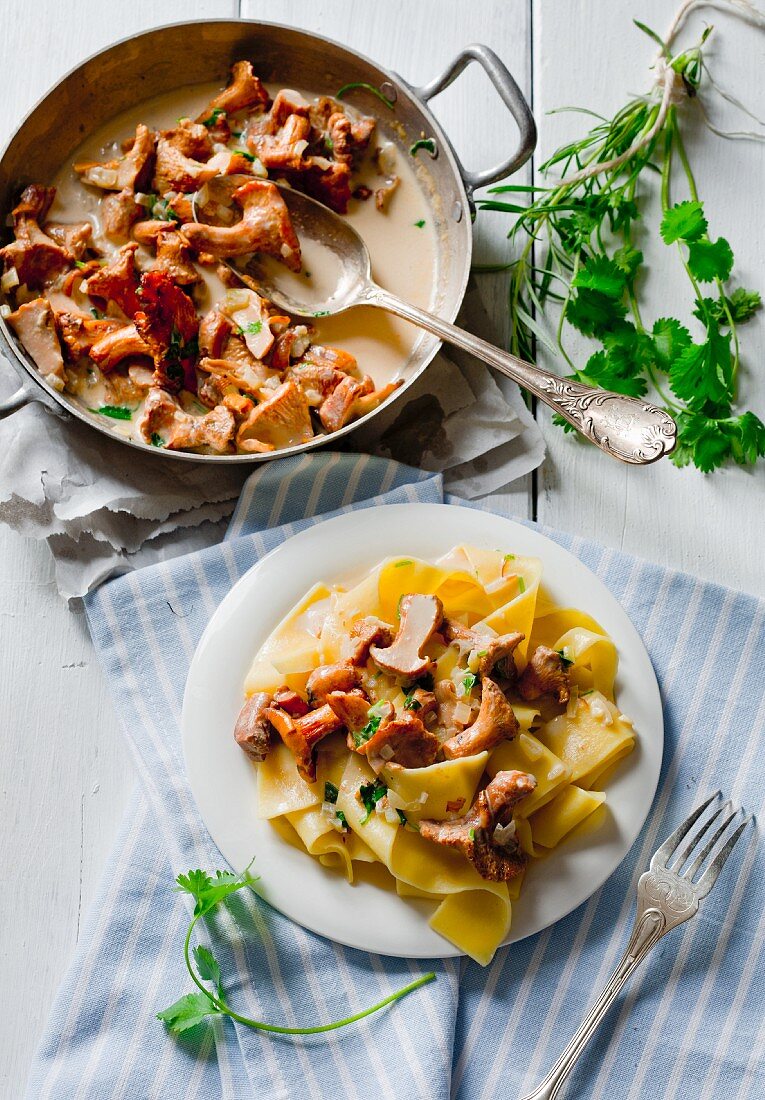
{"points": [[329, 144], [508, 557], [369, 795], [402, 817], [424, 143], [367, 88], [254, 328], [214, 116], [157, 440], [247, 156], [406, 561], [330, 792], [97, 314], [163, 212], [482, 653], [471, 834], [374, 714], [80, 264], [410, 703], [342, 819], [521, 585], [321, 313], [566, 661], [420, 223], [178, 351], [116, 412], [468, 682]]}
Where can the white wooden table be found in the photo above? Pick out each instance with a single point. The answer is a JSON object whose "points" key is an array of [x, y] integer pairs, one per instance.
{"points": [[64, 773]]}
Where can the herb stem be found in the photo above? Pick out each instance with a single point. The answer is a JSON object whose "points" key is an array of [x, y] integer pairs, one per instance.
{"points": [[258, 1025]]}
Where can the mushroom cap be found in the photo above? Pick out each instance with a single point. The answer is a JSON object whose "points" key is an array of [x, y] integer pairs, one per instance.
{"points": [[420, 617]]}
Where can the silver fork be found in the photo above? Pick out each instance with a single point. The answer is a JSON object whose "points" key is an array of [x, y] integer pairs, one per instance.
{"points": [[666, 896]]}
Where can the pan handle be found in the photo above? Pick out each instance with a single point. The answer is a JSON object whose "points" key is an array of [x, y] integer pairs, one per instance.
{"points": [[511, 96]]}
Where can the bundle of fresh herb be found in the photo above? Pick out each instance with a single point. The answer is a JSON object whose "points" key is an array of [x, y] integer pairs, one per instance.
{"points": [[209, 891], [577, 249]]}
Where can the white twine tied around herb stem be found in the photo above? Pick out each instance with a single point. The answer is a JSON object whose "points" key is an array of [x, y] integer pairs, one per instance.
{"points": [[674, 89]]}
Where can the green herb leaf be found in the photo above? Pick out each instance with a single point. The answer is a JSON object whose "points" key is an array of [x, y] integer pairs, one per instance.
{"points": [[189, 1011], [367, 88], [254, 328], [710, 260], [208, 966], [670, 339], [420, 223], [330, 792], [410, 703], [603, 275], [468, 683], [629, 259], [685, 221], [565, 661], [209, 891], [743, 304], [423, 143], [216, 113], [97, 314], [369, 795], [116, 412], [521, 585], [342, 819], [402, 817], [594, 313], [703, 371], [404, 561]]}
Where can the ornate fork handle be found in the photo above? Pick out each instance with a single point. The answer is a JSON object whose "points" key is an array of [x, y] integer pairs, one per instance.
{"points": [[627, 428], [663, 903]]}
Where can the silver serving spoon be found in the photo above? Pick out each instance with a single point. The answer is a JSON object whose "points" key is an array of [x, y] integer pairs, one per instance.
{"points": [[626, 428]]}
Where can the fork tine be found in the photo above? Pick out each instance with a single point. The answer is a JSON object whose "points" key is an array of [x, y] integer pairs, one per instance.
{"points": [[710, 844], [677, 862], [662, 854], [710, 876]]}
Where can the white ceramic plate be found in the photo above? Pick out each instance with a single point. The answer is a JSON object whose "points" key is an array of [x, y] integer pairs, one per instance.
{"points": [[223, 779]]}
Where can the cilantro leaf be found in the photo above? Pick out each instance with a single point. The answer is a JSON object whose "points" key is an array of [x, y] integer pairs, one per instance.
{"points": [[613, 371], [702, 441], [749, 442], [710, 260], [602, 275], [208, 967], [594, 313], [330, 792], [468, 683], [703, 371], [116, 412], [670, 339], [685, 221], [743, 304], [188, 1012], [629, 260], [208, 891]]}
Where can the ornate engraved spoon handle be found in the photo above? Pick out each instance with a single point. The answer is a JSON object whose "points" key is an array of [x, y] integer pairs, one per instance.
{"points": [[626, 428]]}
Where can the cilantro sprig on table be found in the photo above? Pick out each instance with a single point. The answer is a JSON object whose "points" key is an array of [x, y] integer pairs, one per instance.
{"points": [[209, 891], [578, 254]]}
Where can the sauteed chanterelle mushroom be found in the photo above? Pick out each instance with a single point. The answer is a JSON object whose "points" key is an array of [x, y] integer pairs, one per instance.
{"points": [[129, 310]]}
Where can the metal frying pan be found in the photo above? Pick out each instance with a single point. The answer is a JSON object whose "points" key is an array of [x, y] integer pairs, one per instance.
{"points": [[168, 58]]}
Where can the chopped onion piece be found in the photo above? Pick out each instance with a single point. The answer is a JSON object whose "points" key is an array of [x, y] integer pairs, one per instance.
{"points": [[423, 797], [462, 713], [5, 310], [557, 770], [504, 834], [390, 815], [386, 752]]}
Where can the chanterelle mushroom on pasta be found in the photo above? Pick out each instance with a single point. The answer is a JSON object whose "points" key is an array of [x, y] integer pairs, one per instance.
{"points": [[302, 735], [545, 674], [473, 834], [420, 618], [496, 722]]}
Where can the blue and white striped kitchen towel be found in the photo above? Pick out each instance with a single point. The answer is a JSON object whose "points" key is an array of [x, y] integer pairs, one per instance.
{"points": [[691, 1023]]}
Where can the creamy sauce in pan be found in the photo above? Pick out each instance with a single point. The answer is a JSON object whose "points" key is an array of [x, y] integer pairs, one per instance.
{"points": [[401, 243]]}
